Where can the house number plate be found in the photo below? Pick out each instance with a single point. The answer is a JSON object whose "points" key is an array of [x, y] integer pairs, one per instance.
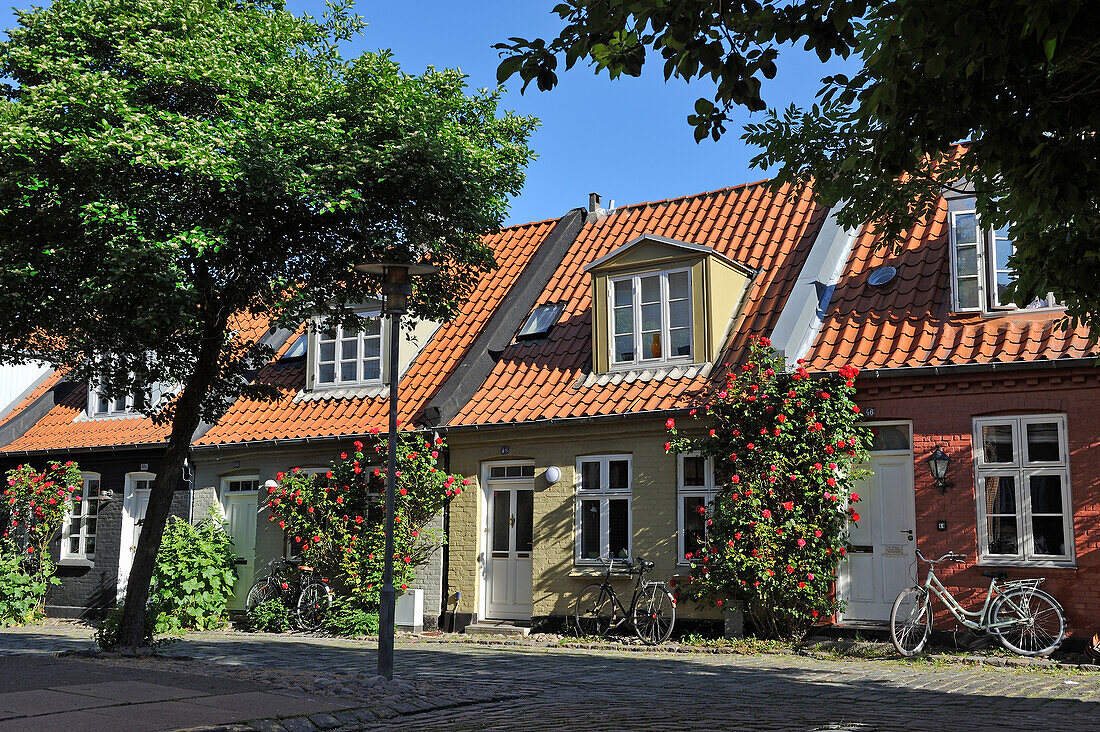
{"points": [[893, 550]]}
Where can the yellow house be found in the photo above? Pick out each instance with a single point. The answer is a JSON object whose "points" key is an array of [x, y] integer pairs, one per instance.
{"points": [[562, 429]]}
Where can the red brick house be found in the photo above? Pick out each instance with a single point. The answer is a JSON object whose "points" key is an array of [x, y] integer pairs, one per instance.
{"points": [[1009, 396]]}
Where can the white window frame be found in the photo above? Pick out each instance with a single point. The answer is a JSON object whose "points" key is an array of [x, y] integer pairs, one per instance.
{"points": [[604, 494], [95, 396], [1021, 470], [360, 339], [66, 524], [988, 297], [708, 491], [226, 480], [640, 361]]}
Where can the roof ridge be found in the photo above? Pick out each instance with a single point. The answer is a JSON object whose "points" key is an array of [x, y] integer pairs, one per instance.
{"points": [[702, 194]]}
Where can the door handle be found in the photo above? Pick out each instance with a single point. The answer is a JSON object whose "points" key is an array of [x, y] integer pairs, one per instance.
{"points": [[512, 520], [908, 532]]}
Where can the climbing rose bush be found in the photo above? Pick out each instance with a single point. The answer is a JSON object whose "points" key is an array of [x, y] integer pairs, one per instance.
{"points": [[786, 449], [34, 506], [336, 520]]}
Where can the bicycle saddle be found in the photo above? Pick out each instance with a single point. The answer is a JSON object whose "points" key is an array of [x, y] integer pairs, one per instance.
{"points": [[998, 574], [304, 568], [645, 564]]}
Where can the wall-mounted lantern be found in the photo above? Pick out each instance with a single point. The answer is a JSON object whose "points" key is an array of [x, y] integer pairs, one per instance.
{"points": [[553, 474], [938, 463]]}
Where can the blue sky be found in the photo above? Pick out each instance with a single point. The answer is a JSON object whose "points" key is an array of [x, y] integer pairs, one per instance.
{"points": [[627, 140]]}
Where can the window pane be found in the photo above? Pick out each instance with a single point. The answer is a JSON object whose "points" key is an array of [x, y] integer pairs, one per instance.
{"points": [[651, 317], [528, 471], [501, 519], [624, 348], [590, 529], [372, 326], [679, 285], [890, 437], [525, 518], [372, 370], [89, 545], [1002, 250], [1002, 536], [512, 471], [997, 443], [1042, 442], [966, 261], [347, 371], [695, 524], [496, 472], [74, 544], [326, 374], [1046, 494], [590, 476], [91, 508], [651, 289], [372, 347], [624, 320], [966, 229], [89, 526], [679, 314], [681, 342], [694, 470], [348, 349], [651, 345], [327, 351], [1003, 281], [968, 293], [120, 404], [1048, 533], [618, 475], [1000, 494], [623, 293], [618, 524]]}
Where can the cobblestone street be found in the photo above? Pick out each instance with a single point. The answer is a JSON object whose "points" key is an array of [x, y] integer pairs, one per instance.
{"points": [[607, 690]]}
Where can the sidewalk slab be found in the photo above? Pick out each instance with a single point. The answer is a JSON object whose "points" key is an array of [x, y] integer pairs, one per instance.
{"points": [[45, 701], [129, 691]]}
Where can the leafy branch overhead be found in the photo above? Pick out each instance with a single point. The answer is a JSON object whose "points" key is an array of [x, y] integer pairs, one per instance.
{"points": [[1013, 79]]}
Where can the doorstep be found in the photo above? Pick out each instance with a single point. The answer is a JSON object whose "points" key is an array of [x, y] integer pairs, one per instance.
{"points": [[499, 628]]}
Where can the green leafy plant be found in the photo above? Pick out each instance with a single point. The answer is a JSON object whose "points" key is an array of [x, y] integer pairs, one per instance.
{"points": [[33, 509], [270, 616], [336, 519], [194, 575], [786, 450], [22, 593], [107, 632], [347, 618]]}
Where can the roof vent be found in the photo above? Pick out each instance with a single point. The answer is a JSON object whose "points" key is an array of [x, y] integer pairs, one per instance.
{"points": [[595, 211], [881, 276]]}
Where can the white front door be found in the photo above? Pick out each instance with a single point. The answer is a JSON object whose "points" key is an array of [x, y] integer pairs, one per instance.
{"points": [[880, 563], [509, 541], [240, 517], [135, 503]]}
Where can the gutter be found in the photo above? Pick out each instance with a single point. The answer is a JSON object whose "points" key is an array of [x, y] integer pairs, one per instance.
{"points": [[974, 368], [295, 441]]}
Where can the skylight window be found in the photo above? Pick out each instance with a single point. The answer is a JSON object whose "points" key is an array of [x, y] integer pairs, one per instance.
{"points": [[540, 321]]}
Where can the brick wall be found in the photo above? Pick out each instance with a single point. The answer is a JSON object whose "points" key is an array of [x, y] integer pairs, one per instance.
{"points": [[941, 410]]}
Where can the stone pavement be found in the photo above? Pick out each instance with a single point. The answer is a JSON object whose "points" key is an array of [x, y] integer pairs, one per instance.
{"points": [[609, 690]]}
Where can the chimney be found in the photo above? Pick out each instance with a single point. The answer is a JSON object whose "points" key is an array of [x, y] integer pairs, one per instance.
{"points": [[593, 202], [595, 211]]}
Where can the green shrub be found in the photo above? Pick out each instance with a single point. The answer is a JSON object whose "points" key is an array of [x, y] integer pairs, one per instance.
{"points": [[22, 595], [346, 618], [270, 616], [106, 635], [194, 576]]}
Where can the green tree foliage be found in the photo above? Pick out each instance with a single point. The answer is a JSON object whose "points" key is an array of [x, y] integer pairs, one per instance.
{"points": [[194, 576], [1016, 79], [786, 450], [167, 166], [336, 520]]}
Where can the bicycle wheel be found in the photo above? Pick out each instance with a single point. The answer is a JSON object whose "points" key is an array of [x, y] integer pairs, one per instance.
{"points": [[911, 621], [654, 615], [313, 605], [593, 611], [1038, 623], [261, 591]]}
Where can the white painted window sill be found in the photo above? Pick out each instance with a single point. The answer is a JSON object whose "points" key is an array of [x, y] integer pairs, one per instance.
{"points": [[1024, 564], [76, 562]]}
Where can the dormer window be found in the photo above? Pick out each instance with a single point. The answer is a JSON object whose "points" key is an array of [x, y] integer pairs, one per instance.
{"points": [[100, 405], [658, 302], [651, 317], [979, 263], [345, 357]]}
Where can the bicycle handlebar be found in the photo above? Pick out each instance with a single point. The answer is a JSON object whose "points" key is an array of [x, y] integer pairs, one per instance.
{"points": [[949, 557]]}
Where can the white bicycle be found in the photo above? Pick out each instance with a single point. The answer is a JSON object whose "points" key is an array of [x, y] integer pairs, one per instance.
{"points": [[1025, 619]]}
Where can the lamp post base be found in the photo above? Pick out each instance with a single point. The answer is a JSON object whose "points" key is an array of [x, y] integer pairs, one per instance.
{"points": [[385, 631]]}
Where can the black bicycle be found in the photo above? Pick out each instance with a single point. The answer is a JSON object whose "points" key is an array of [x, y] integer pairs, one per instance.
{"points": [[598, 609], [298, 588]]}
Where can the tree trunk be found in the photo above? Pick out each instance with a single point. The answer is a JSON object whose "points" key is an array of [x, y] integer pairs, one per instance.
{"points": [[185, 420]]}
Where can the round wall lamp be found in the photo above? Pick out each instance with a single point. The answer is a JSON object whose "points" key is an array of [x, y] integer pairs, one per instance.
{"points": [[553, 474]]}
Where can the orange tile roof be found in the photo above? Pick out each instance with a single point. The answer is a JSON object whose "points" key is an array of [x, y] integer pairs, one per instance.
{"points": [[908, 322], [251, 420], [748, 223], [66, 426]]}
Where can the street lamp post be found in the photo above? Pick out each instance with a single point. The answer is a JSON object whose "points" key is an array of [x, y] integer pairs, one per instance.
{"points": [[396, 289]]}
